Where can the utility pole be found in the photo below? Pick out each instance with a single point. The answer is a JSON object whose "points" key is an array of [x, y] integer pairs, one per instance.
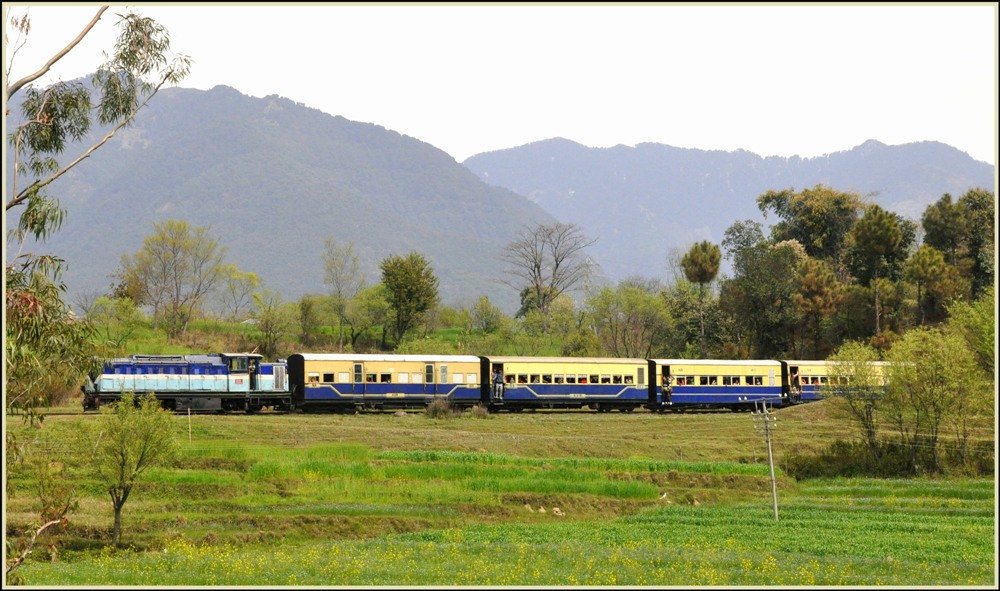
{"points": [[763, 422]]}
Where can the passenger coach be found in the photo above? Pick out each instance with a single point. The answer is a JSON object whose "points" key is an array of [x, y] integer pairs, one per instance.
{"points": [[603, 384], [809, 379], [712, 383], [348, 381]]}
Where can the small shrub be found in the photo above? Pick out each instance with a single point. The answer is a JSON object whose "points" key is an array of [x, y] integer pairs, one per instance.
{"points": [[479, 412], [440, 409], [852, 458]]}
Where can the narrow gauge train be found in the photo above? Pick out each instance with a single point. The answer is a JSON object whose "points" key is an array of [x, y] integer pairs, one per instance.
{"points": [[223, 381], [347, 382]]}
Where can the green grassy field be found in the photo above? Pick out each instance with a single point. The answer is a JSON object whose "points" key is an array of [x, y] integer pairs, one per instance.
{"points": [[560, 498]]}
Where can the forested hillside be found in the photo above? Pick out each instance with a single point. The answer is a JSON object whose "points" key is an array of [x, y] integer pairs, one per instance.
{"points": [[272, 179]]}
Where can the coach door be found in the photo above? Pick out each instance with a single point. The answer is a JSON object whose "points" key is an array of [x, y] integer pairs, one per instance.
{"points": [[253, 367], [429, 379], [358, 383], [666, 383]]}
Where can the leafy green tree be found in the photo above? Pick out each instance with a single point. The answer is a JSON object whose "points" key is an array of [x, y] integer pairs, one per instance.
{"points": [[272, 321], [857, 381], [934, 384], [924, 268], [880, 241], [976, 322], [944, 227], [115, 320], [309, 319], [175, 271], [818, 218], [630, 321], [237, 291], [368, 311], [581, 342], [46, 349], [701, 265], [132, 436], [55, 490], [759, 297], [817, 298], [486, 317], [854, 317], [412, 288], [978, 207]]}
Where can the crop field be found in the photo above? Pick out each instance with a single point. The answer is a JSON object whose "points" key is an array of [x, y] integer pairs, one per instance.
{"points": [[547, 498]]}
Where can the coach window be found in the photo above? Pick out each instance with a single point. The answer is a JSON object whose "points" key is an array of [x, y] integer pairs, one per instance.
{"points": [[370, 378], [703, 380], [616, 379], [357, 373], [605, 379], [642, 376], [522, 378], [629, 380], [594, 379], [429, 373], [559, 379], [444, 374], [403, 378], [416, 377], [385, 378], [546, 378], [571, 379], [536, 378], [328, 378], [313, 378]]}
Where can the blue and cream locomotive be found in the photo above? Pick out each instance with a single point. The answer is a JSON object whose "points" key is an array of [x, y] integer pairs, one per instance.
{"points": [[222, 382]]}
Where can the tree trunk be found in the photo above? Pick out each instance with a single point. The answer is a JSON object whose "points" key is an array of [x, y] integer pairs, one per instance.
{"points": [[701, 315], [878, 310], [117, 531]]}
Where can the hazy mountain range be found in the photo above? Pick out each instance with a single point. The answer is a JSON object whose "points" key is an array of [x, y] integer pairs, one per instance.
{"points": [[273, 178], [642, 201]]}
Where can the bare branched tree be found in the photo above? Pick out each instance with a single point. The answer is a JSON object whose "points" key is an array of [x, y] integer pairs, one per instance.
{"points": [[344, 276], [545, 262]]}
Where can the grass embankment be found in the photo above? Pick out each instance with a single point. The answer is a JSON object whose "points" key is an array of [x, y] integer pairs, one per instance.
{"points": [[628, 499]]}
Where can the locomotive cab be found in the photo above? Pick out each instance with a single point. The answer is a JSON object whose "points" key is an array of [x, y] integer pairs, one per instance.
{"points": [[244, 370]]}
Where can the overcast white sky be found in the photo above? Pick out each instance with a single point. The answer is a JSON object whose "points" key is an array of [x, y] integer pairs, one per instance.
{"points": [[774, 80]]}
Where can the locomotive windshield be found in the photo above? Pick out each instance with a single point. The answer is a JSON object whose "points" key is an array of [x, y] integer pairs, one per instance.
{"points": [[237, 364]]}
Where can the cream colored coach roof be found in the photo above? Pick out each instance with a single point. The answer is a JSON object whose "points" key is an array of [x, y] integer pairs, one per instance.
{"points": [[377, 357]]}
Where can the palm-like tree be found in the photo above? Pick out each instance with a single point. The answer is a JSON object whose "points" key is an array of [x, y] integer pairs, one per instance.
{"points": [[701, 265]]}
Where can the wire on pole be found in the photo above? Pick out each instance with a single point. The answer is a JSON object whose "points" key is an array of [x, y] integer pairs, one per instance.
{"points": [[763, 422]]}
